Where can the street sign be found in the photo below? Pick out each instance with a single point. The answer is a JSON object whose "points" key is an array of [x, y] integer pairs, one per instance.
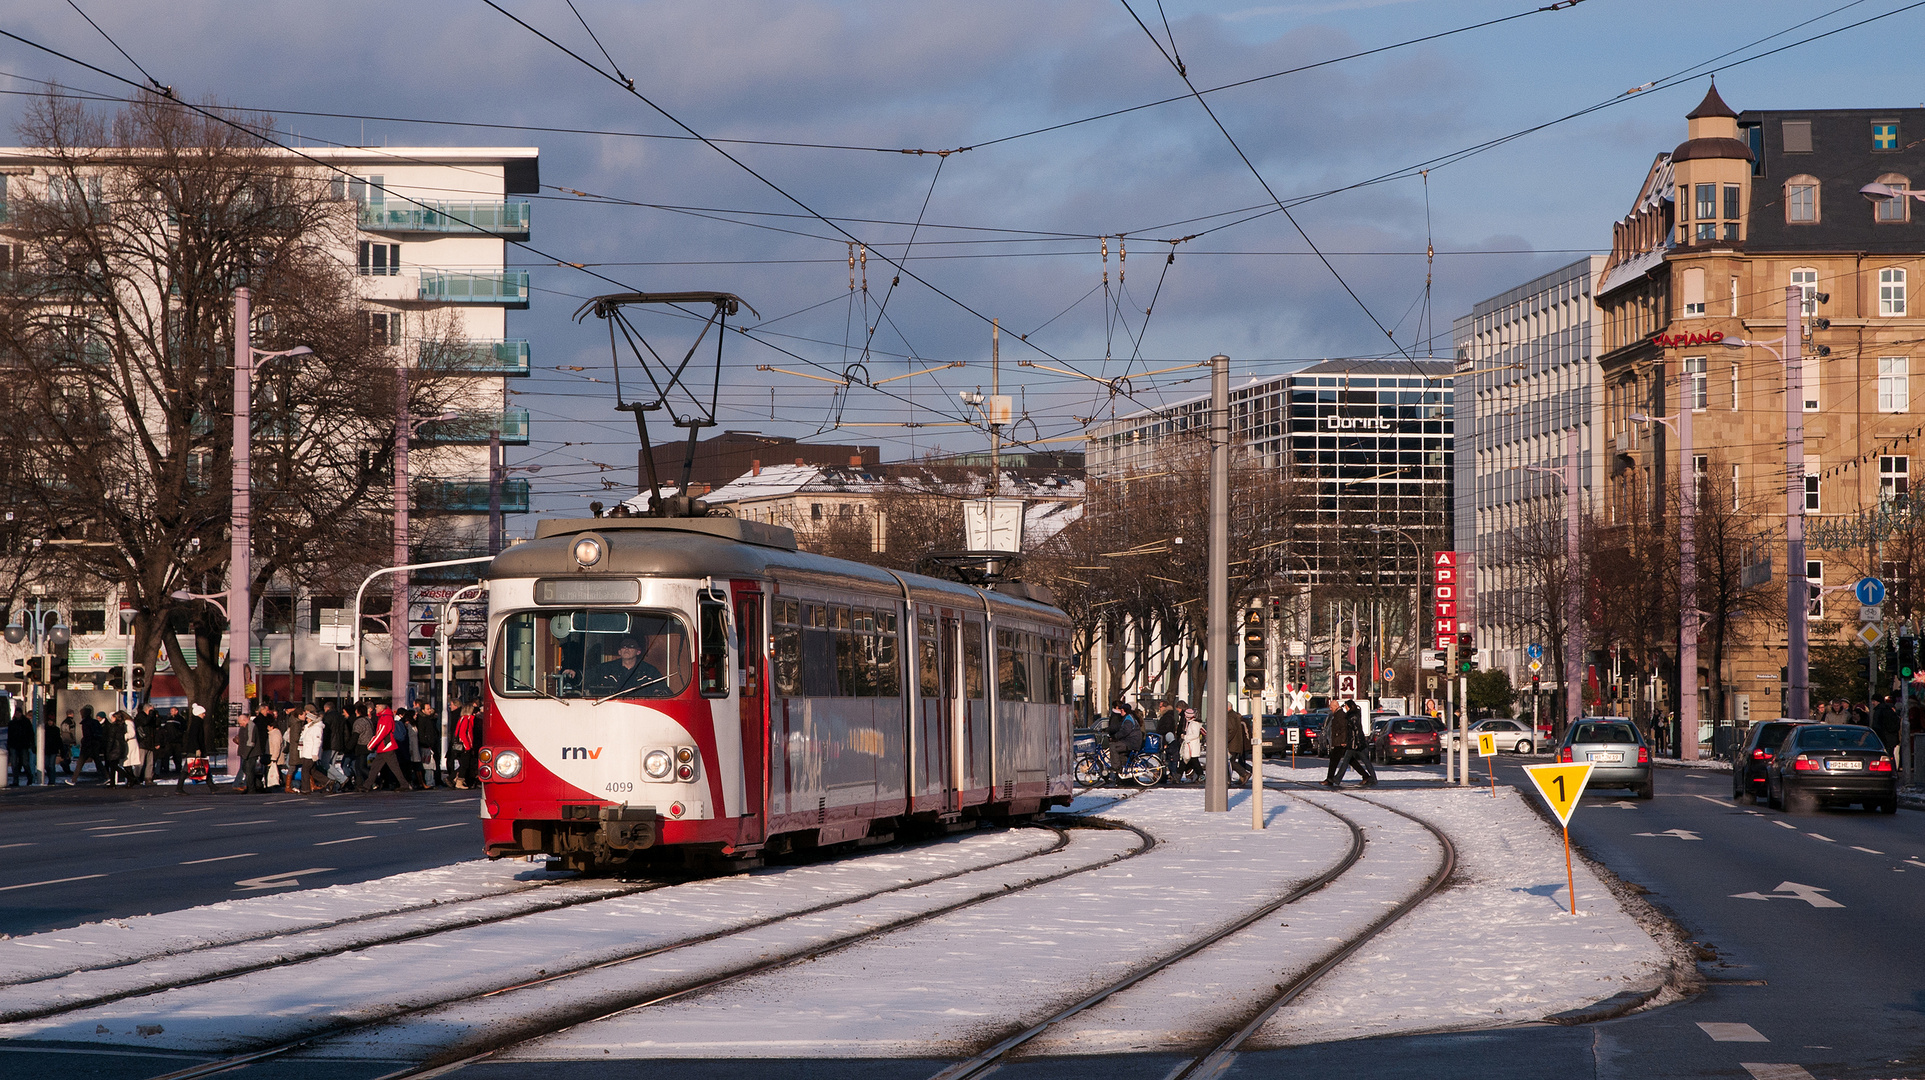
{"points": [[1871, 613], [1537, 665], [1536, 652], [1389, 674], [1870, 590], [1347, 685], [1560, 785], [1296, 734], [1870, 634], [1486, 744]]}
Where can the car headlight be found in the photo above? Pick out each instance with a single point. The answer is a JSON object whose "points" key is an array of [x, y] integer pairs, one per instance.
{"points": [[656, 763], [507, 764]]}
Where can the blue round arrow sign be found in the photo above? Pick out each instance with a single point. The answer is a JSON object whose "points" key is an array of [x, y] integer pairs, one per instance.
{"points": [[1870, 590]]}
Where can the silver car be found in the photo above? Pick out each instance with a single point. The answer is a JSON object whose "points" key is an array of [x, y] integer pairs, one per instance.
{"points": [[1615, 749]]}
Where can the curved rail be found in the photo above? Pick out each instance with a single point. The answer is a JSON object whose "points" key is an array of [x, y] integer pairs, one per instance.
{"points": [[993, 1056], [589, 1011]]}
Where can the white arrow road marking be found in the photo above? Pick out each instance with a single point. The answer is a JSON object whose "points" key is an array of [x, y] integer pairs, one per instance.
{"points": [[1762, 1071], [1733, 1032], [1791, 890], [281, 881], [1682, 834], [1625, 804]]}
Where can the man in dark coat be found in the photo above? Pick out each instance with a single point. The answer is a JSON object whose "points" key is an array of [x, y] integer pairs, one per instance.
{"points": [[19, 744], [1885, 722], [1345, 731]]}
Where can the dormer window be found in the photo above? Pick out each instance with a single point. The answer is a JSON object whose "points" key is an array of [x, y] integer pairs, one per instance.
{"points": [[1801, 200], [1895, 209], [1885, 135]]}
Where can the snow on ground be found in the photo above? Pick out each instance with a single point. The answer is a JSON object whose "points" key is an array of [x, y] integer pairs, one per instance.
{"points": [[118, 941], [296, 998], [1219, 987], [1499, 946], [947, 987]]}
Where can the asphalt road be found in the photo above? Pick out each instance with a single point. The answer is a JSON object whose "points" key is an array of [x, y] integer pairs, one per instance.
{"points": [[72, 855]]}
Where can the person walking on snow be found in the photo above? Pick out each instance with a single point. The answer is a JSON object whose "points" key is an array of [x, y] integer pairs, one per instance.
{"points": [[382, 745]]}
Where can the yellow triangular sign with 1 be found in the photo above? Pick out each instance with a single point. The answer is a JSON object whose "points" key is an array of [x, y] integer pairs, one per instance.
{"points": [[1561, 785], [1486, 744]]}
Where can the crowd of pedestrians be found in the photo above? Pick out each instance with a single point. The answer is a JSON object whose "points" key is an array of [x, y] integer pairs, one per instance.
{"points": [[334, 746]]}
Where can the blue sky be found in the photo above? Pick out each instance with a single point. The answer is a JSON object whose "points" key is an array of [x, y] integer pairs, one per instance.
{"points": [[1010, 227]]}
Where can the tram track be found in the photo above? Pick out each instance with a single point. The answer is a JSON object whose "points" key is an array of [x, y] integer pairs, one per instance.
{"points": [[595, 1007], [1218, 1056]]}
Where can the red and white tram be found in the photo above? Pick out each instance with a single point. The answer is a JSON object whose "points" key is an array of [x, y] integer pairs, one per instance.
{"points": [[699, 683]]}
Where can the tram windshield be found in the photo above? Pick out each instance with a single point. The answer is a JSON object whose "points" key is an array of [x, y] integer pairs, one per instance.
{"points": [[592, 654]]}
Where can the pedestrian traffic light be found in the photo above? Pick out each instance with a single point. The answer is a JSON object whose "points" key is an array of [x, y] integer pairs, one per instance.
{"points": [[57, 668], [140, 677]]}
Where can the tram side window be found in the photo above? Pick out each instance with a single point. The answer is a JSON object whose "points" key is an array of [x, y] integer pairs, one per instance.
{"points": [[714, 666], [929, 650], [818, 652], [888, 658], [1012, 666], [845, 653], [973, 660], [788, 648], [863, 622]]}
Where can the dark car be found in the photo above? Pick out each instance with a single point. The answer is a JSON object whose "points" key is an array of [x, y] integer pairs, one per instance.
{"points": [[1406, 738], [1616, 751], [1310, 731], [1276, 738], [1832, 764], [1748, 768]]}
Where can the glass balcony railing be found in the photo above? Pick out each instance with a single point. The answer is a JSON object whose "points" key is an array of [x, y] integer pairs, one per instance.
{"points": [[509, 218], [505, 287], [476, 357], [469, 496], [473, 428]]}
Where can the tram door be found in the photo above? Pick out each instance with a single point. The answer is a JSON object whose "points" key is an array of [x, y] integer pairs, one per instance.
{"points": [[953, 706], [752, 688]]}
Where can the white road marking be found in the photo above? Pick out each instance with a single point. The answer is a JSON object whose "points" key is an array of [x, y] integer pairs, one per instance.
{"points": [[1733, 1033], [130, 825], [1785, 825], [281, 881], [1915, 862], [1715, 802], [24, 843], [233, 824], [341, 813], [348, 840], [1762, 1071], [1826, 839], [136, 832], [1682, 834], [432, 828], [195, 810], [220, 858], [384, 821], [1791, 890], [50, 881], [86, 821], [1866, 850]]}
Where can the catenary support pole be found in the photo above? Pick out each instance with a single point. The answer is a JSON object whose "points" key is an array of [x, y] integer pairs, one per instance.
{"points": [[1797, 585], [398, 606], [1688, 748], [240, 606], [1216, 780], [1573, 583]]}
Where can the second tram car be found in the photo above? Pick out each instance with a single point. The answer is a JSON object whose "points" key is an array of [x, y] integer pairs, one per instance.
{"points": [[700, 683]]}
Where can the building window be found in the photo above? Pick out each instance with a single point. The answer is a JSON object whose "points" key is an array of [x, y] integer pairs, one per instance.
{"points": [[1699, 463], [1894, 384], [384, 327], [1699, 386], [1707, 201], [379, 260], [1891, 291], [88, 616], [1797, 136], [1895, 209], [1734, 487], [1812, 505], [1801, 200], [815, 511], [1731, 202], [1815, 576], [1693, 292], [1885, 135], [1734, 296], [1807, 281], [1734, 388], [1894, 479]]}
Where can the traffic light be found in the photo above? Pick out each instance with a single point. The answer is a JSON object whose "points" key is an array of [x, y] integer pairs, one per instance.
{"points": [[1254, 651], [1442, 656], [21, 674], [57, 669], [36, 669], [1533, 682], [140, 677], [116, 679], [1468, 664]]}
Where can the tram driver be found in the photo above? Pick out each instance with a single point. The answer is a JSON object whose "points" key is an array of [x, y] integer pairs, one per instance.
{"points": [[626, 672]]}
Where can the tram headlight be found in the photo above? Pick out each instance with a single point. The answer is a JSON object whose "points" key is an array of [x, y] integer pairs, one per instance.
{"points": [[587, 550], [507, 764], [656, 764]]}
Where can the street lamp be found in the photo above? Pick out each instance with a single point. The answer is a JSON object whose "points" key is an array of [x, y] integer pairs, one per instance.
{"points": [[34, 630], [1687, 569], [240, 606]]}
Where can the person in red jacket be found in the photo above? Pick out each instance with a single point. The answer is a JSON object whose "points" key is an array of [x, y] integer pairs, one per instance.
{"points": [[381, 745]]}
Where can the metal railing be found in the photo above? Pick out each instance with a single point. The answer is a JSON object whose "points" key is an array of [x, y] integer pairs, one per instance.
{"points": [[508, 287], [507, 218]]}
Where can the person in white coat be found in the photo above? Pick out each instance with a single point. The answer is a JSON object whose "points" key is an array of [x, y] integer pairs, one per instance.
{"points": [[1192, 745], [307, 749], [134, 765]]}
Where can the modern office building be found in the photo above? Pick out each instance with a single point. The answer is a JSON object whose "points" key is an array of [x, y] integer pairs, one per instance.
{"points": [[1527, 360]]}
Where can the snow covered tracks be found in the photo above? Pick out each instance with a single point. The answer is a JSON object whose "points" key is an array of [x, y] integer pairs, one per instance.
{"points": [[1210, 996], [444, 996]]}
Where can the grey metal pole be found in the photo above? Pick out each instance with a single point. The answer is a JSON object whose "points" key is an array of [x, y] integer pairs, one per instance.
{"points": [[1797, 585], [1688, 748], [1573, 584], [1216, 778], [240, 606], [398, 605], [494, 490]]}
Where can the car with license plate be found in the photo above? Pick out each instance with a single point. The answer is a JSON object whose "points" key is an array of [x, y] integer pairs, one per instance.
{"points": [[1832, 764], [1614, 748], [1754, 757], [1406, 738], [1310, 730], [1511, 736]]}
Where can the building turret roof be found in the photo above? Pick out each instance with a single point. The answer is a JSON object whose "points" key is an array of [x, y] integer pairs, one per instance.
{"points": [[1712, 105]]}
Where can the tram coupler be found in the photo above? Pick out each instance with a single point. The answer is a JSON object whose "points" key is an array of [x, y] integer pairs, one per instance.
{"points": [[629, 828]]}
